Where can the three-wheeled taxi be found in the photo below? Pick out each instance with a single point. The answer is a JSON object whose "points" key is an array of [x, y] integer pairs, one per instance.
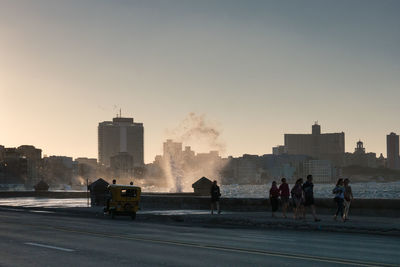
{"points": [[123, 200]]}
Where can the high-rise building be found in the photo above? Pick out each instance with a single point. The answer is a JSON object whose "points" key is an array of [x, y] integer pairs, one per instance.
{"points": [[121, 135], [392, 143], [34, 157], [327, 146]]}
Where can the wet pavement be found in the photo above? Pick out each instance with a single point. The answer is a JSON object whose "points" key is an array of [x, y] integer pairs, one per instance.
{"points": [[44, 202]]}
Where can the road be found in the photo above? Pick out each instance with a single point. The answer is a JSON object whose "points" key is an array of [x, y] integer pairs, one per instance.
{"points": [[41, 239]]}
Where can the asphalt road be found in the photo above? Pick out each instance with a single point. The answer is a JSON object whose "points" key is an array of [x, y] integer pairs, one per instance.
{"points": [[40, 239]]}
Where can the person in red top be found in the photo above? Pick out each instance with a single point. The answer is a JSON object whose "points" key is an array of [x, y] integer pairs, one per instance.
{"points": [[285, 195], [274, 197]]}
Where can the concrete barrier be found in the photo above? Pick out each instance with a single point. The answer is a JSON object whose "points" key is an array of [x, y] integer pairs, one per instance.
{"points": [[154, 201], [362, 207], [44, 194]]}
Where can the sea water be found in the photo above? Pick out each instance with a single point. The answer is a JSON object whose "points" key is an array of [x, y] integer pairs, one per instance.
{"points": [[360, 190], [369, 190]]}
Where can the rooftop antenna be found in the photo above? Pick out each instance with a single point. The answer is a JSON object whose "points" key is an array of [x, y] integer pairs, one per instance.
{"points": [[120, 113]]}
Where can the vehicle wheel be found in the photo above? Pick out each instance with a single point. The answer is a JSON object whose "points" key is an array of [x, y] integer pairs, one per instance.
{"points": [[133, 215], [127, 207]]}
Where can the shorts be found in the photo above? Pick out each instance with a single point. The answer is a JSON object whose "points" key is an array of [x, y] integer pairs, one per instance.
{"points": [[309, 201], [297, 201]]}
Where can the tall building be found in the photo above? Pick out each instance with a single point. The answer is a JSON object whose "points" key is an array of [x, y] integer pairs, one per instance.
{"points": [[34, 161], [121, 135], [392, 143], [328, 146]]}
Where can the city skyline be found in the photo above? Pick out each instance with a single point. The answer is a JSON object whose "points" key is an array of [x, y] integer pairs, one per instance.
{"points": [[256, 70], [186, 144]]}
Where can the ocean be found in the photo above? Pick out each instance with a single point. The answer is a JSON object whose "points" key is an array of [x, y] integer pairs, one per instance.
{"points": [[371, 190]]}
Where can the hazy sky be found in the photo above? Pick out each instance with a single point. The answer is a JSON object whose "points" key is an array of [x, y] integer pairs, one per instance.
{"points": [[257, 69]]}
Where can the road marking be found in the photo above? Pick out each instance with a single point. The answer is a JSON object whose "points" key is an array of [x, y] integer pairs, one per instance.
{"points": [[221, 248], [41, 211], [12, 209], [240, 250], [51, 247], [272, 238]]}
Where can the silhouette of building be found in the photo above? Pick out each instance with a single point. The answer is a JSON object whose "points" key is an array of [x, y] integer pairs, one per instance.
{"points": [[328, 146], [92, 162], [13, 167], [392, 143], [86, 168], [2, 152], [202, 186], [120, 135], [34, 161], [361, 158], [278, 150], [30, 152], [58, 170], [172, 150], [20, 165], [122, 165], [178, 163], [254, 169]]}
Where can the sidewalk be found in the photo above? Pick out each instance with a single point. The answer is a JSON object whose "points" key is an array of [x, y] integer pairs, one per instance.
{"points": [[376, 225], [259, 220]]}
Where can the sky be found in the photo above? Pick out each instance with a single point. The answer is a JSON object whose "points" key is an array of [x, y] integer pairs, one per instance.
{"points": [[254, 69]]}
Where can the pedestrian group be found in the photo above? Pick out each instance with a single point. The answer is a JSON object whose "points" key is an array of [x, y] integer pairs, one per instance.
{"points": [[299, 198], [302, 197]]}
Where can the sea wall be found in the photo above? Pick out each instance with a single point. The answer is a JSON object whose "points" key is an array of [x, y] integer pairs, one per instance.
{"points": [[364, 207], [44, 194], [367, 207]]}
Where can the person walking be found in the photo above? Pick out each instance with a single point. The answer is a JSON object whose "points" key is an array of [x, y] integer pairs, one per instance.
{"points": [[348, 198], [339, 198], [274, 198], [297, 196], [308, 188], [284, 192], [215, 196]]}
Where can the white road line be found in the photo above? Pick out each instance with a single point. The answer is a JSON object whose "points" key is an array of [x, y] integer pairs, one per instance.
{"points": [[41, 211], [11, 209], [272, 238], [47, 246]]}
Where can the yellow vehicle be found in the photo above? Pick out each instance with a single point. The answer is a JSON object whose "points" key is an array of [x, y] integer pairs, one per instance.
{"points": [[123, 200]]}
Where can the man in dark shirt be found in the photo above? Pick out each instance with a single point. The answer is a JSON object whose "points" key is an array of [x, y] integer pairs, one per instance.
{"points": [[215, 195], [308, 188]]}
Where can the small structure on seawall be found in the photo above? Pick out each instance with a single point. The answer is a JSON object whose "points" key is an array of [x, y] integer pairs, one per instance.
{"points": [[202, 186], [42, 186], [98, 192]]}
